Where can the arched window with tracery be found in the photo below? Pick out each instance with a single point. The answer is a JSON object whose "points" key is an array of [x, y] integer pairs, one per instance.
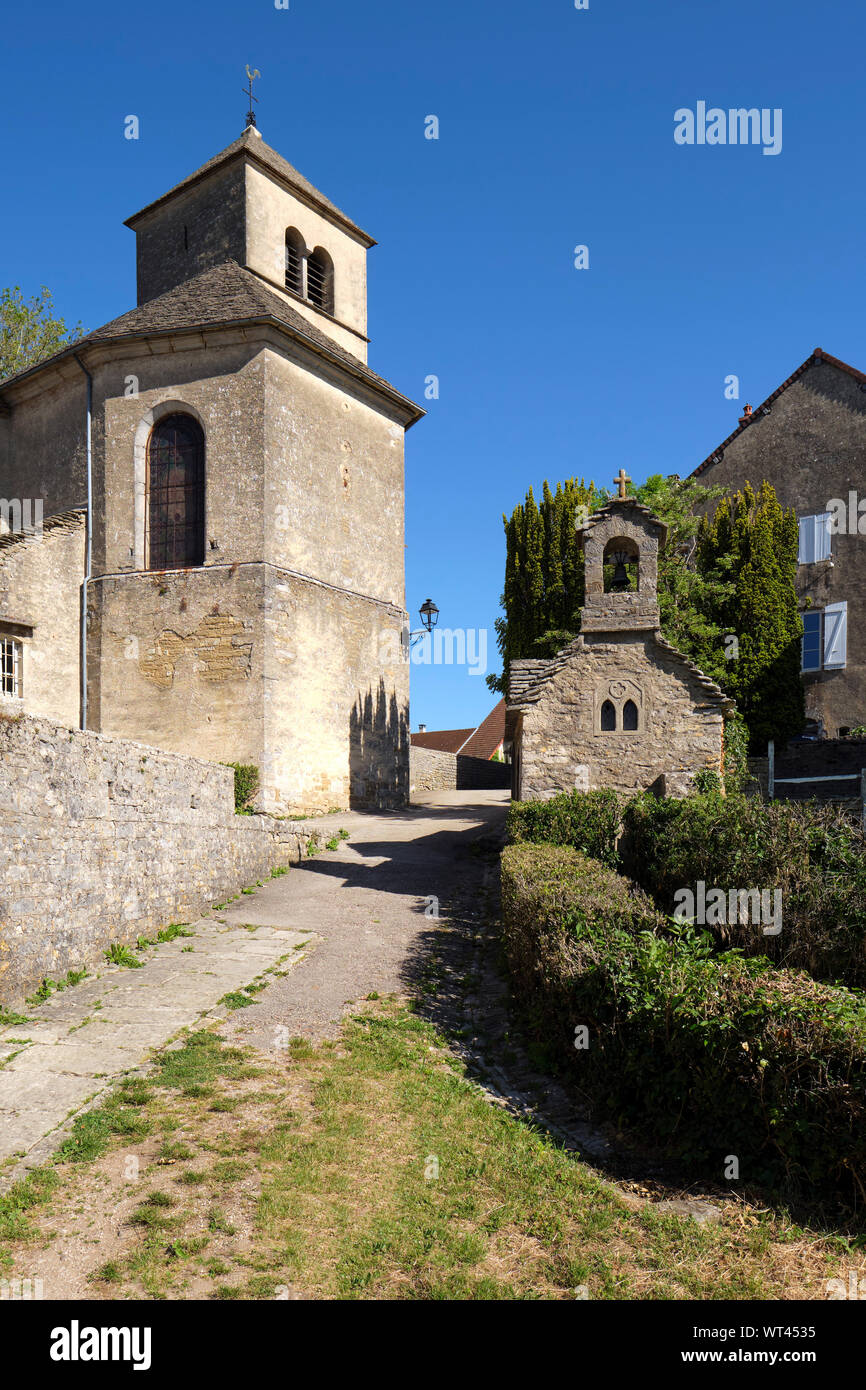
{"points": [[629, 716], [175, 494], [608, 717]]}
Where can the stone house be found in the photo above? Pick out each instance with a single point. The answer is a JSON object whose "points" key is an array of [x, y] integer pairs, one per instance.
{"points": [[220, 571], [619, 706], [808, 438]]}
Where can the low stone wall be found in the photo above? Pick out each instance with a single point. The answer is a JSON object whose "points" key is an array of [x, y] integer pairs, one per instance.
{"points": [[103, 840], [434, 771]]}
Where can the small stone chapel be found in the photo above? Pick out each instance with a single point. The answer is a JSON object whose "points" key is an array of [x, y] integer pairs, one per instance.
{"points": [[619, 706]]}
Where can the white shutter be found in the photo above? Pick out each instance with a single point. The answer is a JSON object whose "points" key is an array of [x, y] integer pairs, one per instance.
{"points": [[835, 635], [815, 538]]}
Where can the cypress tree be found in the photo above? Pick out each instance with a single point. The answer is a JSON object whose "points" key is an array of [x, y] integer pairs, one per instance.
{"points": [[758, 541]]}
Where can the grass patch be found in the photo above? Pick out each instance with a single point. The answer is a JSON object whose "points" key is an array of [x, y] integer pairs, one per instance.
{"points": [[121, 955], [9, 1019], [373, 1168]]}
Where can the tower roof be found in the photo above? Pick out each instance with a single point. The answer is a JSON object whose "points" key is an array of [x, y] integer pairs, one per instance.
{"points": [[223, 295], [250, 146]]}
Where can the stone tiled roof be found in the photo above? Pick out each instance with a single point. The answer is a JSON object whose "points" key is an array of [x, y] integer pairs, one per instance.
{"points": [[225, 294], [615, 505], [530, 685], [252, 146], [522, 674], [68, 520], [818, 356]]}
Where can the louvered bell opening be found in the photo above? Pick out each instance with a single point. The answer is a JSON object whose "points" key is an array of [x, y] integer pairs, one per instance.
{"points": [[293, 268], [318, 284]]}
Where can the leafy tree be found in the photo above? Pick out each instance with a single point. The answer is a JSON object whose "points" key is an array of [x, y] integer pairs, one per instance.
{"points": [[757, 542], [30, 330], [693, 599]]}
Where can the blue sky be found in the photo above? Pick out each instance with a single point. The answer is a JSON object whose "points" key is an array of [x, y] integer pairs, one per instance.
{"points": [[556, 130]]}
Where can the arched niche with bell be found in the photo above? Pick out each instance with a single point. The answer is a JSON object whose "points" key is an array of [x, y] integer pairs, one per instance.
{"points": [[621, 546]]}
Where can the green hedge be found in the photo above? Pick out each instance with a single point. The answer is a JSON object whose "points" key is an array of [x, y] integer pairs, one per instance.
{"points": [[588, 821], [815, 855], [246, 785], [707, 1054]]}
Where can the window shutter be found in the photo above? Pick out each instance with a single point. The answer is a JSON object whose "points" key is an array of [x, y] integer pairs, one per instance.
{"points": [[815, 538], [835, 635], [822, 536]]}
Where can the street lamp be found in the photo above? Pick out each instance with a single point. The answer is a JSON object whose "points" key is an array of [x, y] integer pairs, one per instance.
{"points": [[429, 614]]}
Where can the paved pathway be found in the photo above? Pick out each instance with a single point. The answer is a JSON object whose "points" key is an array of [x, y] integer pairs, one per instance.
{"points": [[75, 1044], [349, 921], [372, 903]]}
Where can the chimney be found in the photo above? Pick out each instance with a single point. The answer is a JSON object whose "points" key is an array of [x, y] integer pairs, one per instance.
{"points": [[422, 728], [746, 415]]}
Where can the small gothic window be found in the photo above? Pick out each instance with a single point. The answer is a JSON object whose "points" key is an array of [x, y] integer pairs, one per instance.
{"points": [[629, 715], [294, 261], [620, 566], [320, 280], [608, 717], [175, 494]]}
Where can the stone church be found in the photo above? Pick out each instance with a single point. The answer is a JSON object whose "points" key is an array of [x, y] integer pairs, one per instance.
{"points": [[619, 706], [220, 570]]}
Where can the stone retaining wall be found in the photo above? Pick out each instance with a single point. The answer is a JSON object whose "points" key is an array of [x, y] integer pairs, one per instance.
{"points": [[435, 771], [103, 840], [432, 771]]}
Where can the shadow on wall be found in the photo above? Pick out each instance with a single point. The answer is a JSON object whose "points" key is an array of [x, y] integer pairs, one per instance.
{"points": [[378, 752]]}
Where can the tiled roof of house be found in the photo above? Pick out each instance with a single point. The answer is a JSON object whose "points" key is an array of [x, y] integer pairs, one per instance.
{"points": [[817, 357], [251, 145], [470, 743], [442, 740], [488, 736]]}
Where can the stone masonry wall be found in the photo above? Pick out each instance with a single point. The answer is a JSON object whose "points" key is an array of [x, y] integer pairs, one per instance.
{"points": [[431, 770], [40, 598], [563, 746], [102, 840]]}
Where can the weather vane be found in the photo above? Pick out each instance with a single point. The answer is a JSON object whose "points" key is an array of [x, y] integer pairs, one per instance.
{"points": [[248, 91]]}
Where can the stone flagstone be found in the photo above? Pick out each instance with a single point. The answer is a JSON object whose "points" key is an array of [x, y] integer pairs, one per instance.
{"points": [[79, 1042]]}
